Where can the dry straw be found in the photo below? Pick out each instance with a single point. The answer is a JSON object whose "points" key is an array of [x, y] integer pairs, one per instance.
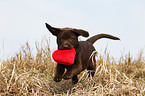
{"points": [[29, 74]]}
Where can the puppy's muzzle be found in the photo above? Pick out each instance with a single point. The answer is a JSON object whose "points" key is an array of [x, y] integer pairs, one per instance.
{"points": [[65, 47]]}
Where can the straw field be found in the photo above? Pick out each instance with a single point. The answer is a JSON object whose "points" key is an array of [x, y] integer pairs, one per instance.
{"points": [[30, 74]]}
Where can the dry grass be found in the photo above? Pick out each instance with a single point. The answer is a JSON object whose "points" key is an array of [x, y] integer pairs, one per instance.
{"points": [[28, 74]]}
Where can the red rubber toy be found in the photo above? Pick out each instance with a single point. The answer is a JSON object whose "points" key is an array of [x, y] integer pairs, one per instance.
{"points": [[65, 57]]}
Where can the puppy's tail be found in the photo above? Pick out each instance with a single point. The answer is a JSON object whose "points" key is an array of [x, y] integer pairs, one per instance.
{"points": [[99, 36]]}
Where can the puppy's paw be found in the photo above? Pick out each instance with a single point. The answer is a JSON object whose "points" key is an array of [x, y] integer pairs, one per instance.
{"points": [[57, 78], [67, 76], [74, 79], [91, 73]]}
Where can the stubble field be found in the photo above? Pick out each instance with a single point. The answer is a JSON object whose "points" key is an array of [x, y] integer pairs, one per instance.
{"points": [[31, 74]]}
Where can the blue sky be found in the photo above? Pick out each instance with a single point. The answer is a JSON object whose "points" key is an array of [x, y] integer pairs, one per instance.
{"points": [[23, 20]]}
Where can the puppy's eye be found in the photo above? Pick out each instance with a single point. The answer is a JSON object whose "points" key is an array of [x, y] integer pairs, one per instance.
{"points": [[71, 38]]}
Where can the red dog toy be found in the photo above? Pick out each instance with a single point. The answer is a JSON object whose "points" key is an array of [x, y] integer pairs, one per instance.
{"points": [[65, 57]]}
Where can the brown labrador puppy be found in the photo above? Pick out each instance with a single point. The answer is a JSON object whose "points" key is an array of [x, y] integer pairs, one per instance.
{"points": [[67, 38]]}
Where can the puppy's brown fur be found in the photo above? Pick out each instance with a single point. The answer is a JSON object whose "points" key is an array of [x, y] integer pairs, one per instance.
{"points": [[67, 38]]}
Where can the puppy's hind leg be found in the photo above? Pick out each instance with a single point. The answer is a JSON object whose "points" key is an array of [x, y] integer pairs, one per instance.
{"points": [[91, 72], [92, 67]]}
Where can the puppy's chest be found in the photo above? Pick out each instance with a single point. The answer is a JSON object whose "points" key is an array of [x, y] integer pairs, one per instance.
{"points": [[86, 49]]}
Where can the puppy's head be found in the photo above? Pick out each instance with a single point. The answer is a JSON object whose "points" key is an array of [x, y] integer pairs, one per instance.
{"points": [[67, 38]]}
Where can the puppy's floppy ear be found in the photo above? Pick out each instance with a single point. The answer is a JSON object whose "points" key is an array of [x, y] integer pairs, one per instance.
{"points": [[54, 31], [79, 32]]}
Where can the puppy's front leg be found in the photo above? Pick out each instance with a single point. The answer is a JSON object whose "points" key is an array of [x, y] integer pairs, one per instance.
{"points": [[59, 72], [74, 70]]}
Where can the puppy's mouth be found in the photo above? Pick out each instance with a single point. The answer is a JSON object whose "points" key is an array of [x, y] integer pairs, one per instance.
{"points": [[64, 48]]}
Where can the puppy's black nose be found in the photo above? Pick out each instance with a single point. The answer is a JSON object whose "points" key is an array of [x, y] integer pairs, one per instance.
{"points": [[66, 46]]}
